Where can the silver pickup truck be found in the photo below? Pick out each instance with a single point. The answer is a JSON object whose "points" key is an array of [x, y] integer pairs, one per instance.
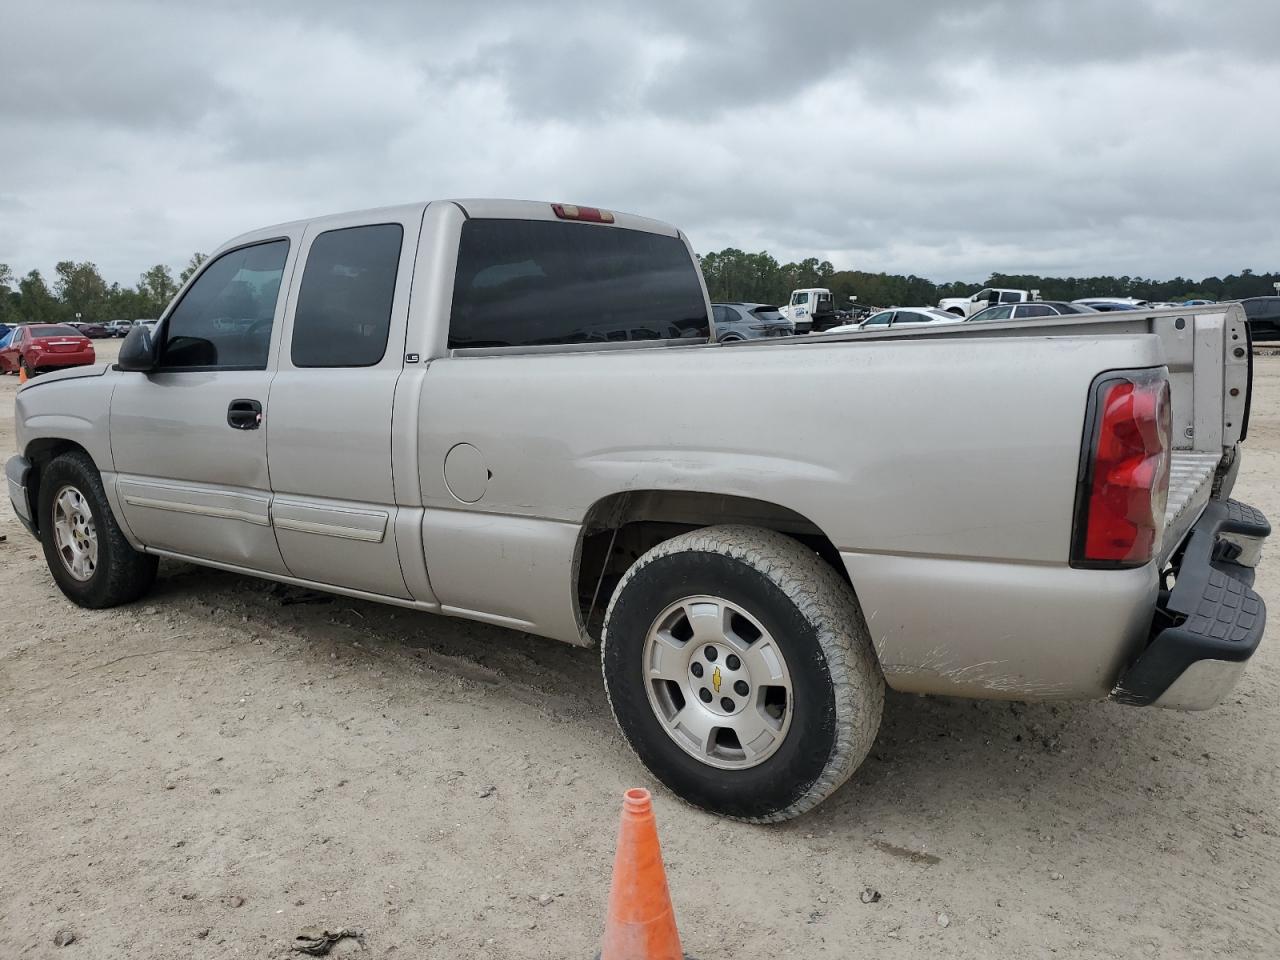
{"points": [[517, 413]]}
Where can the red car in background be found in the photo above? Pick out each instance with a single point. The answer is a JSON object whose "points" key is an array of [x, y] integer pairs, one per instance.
{"points": [[45, 346]]}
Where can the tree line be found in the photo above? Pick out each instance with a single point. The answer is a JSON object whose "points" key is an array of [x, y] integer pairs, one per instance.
{"points": [[735, 275], [731, 274], [79, 288]]}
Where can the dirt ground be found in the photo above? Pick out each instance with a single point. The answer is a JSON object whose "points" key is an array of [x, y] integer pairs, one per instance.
{"points": [[206, 772]]}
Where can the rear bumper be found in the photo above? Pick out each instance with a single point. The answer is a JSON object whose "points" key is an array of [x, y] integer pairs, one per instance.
{"points": [[46, 361], [1211, 622], [17, 471]]}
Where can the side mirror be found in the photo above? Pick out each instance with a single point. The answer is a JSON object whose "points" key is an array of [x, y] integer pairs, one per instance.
{"points": [[137, 353]]}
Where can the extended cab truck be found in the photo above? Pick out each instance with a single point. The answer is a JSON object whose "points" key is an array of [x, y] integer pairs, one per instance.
{"points": [[505, 411]]}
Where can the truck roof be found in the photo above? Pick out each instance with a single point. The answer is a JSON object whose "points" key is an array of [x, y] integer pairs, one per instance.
{"points": [[474, 208]]}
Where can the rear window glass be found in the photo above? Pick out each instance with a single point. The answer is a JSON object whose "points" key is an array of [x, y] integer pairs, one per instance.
{"points": [[1268, 307], [1037, 310], [533, 282], [54, 330]]}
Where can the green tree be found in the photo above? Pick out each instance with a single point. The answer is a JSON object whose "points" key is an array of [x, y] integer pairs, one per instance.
{"points": [[192, 266], [81, 289], [155, 289], [38, 305], [10, 298]]}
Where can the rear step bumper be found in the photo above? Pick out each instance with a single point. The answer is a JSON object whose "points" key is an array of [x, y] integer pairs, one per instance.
{"points": [[1217, 620]]}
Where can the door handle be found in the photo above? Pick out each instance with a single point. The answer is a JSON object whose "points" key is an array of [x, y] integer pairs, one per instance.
{"points": [[244, 414]]}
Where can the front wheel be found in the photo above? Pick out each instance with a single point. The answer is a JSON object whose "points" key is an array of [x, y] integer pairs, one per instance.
{"points": [[741, 672], [88, 555]]}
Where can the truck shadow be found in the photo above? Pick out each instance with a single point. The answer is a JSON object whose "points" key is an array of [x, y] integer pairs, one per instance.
{"points": [[934, 757]]}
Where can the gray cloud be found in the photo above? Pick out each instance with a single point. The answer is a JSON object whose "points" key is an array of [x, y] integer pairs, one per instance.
{"points": [[948, 138]]}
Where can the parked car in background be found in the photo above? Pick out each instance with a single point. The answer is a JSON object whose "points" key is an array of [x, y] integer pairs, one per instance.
{"points": [[1103, 306], [986, 297], [1264, 317], [749, 321], [901, 317], [1197, 303], [6, 336], [810, 309], [94, 331], [1024, 311], [119, 328], [1106, 304], [38, 347]]}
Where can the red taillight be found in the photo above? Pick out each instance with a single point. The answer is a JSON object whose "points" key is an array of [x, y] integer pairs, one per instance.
{"points": [[1125, 482], [567, 211]]}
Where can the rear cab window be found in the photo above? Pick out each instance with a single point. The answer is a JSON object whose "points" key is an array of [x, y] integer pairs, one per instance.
{"points": [[343, 317], [527, 283]]}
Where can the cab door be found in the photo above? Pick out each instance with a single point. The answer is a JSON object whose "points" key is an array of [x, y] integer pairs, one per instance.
{"points": [[329, 434], [187, 439], [800, 308]]}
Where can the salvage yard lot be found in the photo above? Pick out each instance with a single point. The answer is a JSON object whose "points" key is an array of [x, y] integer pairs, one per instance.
{"points": [[208, 771]]}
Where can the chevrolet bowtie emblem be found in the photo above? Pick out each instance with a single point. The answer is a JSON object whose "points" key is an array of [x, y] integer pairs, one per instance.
{"points": [[715, 679]]}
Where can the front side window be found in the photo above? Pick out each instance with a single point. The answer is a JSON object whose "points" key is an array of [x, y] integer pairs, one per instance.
{"points": [[800, 298], [981, 295], [224, 320], [1011, 296], [343, 316], [880, 319], [525, 283]]}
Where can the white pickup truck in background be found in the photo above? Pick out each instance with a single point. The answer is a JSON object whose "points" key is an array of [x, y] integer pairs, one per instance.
{"points": [[986, 297], [517, 413]]}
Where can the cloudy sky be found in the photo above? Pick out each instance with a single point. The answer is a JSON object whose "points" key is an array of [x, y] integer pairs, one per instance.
{"points": [[948, 138]]}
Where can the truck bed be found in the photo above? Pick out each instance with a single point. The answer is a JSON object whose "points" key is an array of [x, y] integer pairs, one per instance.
{"points": [[1206, 349]]}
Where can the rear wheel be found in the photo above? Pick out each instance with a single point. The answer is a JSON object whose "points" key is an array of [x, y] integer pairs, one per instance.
{"points": [[741, 673], [86, 552]]}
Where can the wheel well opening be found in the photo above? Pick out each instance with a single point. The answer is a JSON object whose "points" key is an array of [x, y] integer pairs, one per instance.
{"points": [[41, 452], [619, 529]]}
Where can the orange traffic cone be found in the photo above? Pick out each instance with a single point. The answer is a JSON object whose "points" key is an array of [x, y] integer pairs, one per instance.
{"points": [[641, 924], [22, 375]]}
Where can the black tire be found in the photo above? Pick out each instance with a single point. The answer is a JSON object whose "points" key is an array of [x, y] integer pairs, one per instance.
{"points": [[813, 618], [121, 574]]}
